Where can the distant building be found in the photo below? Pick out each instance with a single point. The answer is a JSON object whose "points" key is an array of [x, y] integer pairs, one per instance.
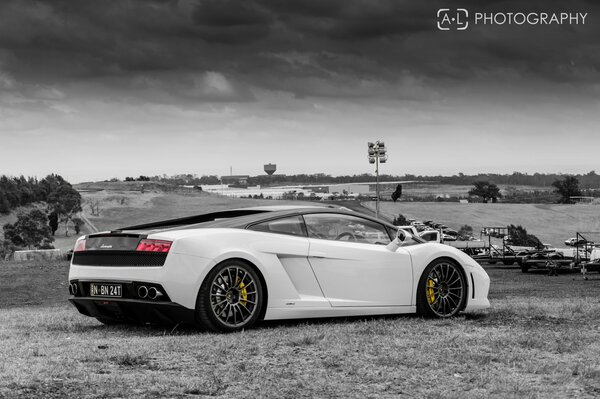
{"points": [[241, 180], [351, 188]]}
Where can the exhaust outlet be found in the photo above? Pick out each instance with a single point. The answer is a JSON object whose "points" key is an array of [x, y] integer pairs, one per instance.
{"points": [[153, 293], [142, 291]]}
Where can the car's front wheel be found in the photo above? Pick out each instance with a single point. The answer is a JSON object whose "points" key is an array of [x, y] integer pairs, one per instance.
{"points": [[230, 298], [442, 289]]}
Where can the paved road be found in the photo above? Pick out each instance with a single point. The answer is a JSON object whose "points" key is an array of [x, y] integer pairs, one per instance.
{"points": [[90, 225]]}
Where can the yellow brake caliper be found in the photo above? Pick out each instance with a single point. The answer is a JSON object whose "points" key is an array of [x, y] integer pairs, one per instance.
{"points": [[243, 292], [429, 292]]}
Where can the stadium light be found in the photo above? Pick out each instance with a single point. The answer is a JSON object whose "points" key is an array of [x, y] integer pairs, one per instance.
{"points": [[377, 153]]}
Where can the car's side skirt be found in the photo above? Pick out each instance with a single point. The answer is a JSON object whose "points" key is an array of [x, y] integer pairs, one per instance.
{"points": [[301, 313]]}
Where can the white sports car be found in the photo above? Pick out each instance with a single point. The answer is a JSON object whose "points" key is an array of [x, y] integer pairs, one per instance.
{"points": [[225, 270]]}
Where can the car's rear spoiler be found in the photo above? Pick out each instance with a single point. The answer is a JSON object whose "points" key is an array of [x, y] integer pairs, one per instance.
{"points": [[188, 220]]}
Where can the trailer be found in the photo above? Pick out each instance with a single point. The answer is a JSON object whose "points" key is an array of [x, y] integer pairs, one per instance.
{"points": [[481, 250], [497, 253], [550, 260], [584, 256], [587, 252]]}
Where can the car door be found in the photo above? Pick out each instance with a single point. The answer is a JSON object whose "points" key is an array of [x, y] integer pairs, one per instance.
{"points": [[352, 264], [287, 246]]}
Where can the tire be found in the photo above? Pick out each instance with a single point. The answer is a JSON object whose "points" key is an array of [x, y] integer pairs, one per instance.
{"points": [[508, 262], [230, 298], [524, 268], [442, 290]]}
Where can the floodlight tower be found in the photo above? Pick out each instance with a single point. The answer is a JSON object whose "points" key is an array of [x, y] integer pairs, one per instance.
{"points": [[377, 155]]}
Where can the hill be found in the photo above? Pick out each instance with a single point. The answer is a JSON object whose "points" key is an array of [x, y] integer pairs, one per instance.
{"points": [[119, 208]]}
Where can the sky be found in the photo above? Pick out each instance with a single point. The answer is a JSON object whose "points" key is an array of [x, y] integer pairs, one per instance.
{"points": [[94, 89]]}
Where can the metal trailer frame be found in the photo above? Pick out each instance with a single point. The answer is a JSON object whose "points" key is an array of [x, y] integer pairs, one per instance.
{"points": [[584, 252], [507, 255], [550, 264], [581, 259]]}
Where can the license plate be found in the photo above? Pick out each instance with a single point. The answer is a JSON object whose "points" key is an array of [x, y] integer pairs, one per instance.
{"points": [[108, 290]]}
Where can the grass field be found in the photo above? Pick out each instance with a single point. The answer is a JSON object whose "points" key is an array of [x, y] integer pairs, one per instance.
{"points": [[541, 338], [551, 223]]}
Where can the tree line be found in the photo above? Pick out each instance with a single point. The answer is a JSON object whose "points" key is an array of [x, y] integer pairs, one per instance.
{"points": [[586, 181], [35, 228], [21, 191], [566, 188]]}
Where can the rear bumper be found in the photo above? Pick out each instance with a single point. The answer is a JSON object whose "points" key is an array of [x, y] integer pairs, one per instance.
{"points": [[133, 310]]}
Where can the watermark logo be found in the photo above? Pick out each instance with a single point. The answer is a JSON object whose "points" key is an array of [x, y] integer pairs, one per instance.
{"points": [[458, 19], [448, 19]]}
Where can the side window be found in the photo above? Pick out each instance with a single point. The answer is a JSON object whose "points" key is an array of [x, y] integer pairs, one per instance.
{"points": [[292, 226], [331, 226], [429, 236]]}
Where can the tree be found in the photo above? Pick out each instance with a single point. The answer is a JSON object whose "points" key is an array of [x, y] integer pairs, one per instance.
{"points": [[66, 201], [518, 236], [567, 188], [4, 204], [400, 220], [398, 193], [53, 221], [465, 232], [77, 223], [486, 191], [7, 248], [30, 229], [95, 207]]}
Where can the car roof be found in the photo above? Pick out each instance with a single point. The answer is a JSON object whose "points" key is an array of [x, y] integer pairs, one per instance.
{"points": [[242, 218]]}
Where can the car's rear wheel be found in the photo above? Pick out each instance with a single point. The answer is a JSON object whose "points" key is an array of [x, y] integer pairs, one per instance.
{"points": [[230, 298], [442, 289]]}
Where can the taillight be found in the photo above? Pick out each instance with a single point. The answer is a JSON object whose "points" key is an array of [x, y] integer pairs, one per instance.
{"points": [[154, 246], [79, 245]]}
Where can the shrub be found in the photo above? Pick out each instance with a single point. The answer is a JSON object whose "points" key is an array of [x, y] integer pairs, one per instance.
{"points": [[400, 220]]}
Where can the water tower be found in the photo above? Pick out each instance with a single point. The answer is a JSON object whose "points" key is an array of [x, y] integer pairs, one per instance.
{"points": [[270, 168]]}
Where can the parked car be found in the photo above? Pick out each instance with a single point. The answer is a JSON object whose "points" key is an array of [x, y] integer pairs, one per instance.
{"points": [[224, 271], [574, 242]]}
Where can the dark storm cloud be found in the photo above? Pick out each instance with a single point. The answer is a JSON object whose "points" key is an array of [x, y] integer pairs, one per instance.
{"points": [[230, 13], [230, 21], [346, 48], [353, 20]]}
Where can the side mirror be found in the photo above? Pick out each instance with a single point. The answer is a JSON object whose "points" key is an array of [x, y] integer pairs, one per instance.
{"points": [[401, 237]]}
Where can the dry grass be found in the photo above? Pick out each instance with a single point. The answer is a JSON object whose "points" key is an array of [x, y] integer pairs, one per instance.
{"points": [[540, 339]]}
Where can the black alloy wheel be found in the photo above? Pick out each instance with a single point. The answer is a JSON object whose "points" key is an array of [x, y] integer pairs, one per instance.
{"points": [[230, 298], [442, 290]]}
